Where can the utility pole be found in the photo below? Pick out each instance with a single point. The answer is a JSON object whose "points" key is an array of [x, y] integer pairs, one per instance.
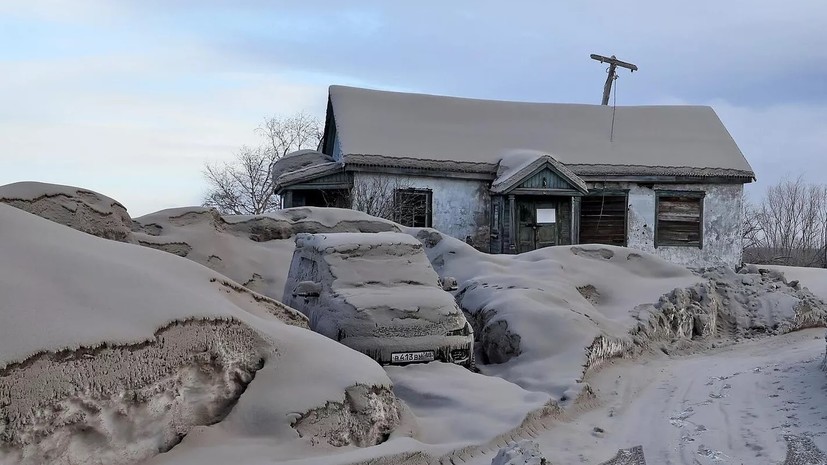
{"points": [[613, 64]]}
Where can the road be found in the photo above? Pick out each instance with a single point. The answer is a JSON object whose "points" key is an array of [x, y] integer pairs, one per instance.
{"points": [[748, 403]]}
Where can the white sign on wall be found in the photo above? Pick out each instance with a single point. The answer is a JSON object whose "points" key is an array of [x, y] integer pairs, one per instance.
{"points": [[546, 215]]}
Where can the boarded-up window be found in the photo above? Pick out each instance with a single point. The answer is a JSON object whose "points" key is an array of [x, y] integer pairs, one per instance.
{"points": [[679, 219], [603, 219], [413, 207]]}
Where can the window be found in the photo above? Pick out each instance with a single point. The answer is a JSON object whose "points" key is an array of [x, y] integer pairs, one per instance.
{"points": [[679, 220], [413, 207], [603, 219]]}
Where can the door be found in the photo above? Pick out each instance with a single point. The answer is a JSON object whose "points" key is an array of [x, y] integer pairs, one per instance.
{"points": [[546, 225], [536, 225], [525, 227]]}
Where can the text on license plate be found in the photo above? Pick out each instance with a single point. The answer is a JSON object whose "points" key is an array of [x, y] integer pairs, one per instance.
{"points": [[406, 357]]}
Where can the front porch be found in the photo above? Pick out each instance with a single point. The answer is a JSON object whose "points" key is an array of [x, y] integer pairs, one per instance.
{"points": [[535, 205]]}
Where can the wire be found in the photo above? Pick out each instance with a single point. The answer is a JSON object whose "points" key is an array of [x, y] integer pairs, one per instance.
{"points": [[614, 107]]}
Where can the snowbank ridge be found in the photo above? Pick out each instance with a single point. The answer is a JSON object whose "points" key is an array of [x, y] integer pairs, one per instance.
{"points": [[77, 208], [366, 417], [119, 404], [253, 250], [524, 452], [565, 307]]}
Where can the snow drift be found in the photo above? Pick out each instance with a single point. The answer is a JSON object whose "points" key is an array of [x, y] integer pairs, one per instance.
{"points": [[118, 403], [522, 452], [536, 315], [144, 350], [812, 279], [75, 207], [545, 317], [112, 352], [252, 250]]}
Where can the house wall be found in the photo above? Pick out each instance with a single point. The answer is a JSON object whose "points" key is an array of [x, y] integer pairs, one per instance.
{"points": [[460, 207], [722, 223], [337, 149]]}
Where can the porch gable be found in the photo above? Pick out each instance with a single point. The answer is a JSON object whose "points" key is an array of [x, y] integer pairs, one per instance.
{"points": [[543, 175]]}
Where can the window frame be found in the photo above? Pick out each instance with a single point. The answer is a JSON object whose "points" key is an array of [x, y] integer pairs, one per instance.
{"points": [[700, 196], [429, 209]]}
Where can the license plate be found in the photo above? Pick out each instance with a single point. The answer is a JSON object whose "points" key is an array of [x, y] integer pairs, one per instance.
{"points": [[408, 357]]}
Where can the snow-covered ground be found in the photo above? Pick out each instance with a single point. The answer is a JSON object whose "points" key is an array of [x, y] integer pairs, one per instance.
{"points": [[732, 405], [133, 349]]}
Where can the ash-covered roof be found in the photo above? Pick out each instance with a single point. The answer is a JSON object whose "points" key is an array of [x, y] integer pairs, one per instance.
{"points": [[381, 127], [298, 160], [307, 173]]}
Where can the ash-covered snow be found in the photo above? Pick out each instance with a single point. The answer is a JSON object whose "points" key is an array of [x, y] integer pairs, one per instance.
{"points": [[513, 162], [734, 404], [633, 456], [523, 452], [530, 315], [75, 207], [297, 160], [453, 405], [376, 293], [813, 279], [404, 126], [63, 289], [758, 301], [545, 317], [252, 250], [132, 349], [113, 352]]}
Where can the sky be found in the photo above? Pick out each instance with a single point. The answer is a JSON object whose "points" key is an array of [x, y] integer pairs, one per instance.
{"points": [[132, 98]]}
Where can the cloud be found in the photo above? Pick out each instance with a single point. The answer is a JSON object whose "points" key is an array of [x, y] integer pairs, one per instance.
{"points": [[741, 51], [134, 96], [145, 147]]}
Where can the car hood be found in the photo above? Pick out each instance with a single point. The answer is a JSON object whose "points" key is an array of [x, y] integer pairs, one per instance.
{"points": [[397, 311]]}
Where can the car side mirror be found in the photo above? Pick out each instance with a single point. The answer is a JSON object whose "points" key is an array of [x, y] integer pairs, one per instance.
{"points": [[448, 283], [307, 289]]}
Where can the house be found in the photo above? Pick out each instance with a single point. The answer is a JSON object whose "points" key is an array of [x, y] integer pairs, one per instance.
{"points": [[511, 177]]}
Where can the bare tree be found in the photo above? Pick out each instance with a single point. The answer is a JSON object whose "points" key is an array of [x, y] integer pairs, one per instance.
{"points": [[245, 185], [751, 229], [285, 134], [789, 226]]}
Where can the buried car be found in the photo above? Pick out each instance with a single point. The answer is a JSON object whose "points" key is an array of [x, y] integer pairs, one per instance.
{"points": [[378, 294]]}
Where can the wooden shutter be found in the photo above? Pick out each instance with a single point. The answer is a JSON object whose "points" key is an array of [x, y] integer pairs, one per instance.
{"points": [[603, 219], [679, 220]]}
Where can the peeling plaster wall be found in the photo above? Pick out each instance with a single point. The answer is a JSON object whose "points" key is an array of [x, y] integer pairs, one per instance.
{"points": [[722, 214], [460, 207]]}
